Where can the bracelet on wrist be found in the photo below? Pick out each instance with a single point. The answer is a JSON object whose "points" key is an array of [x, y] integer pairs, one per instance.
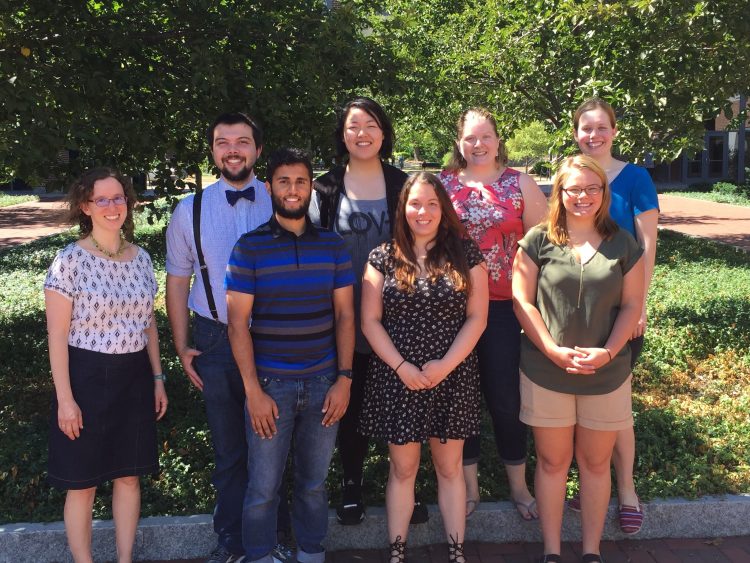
{"points": [[160, 377], [399, 365], [344, 373], [608, 353]]}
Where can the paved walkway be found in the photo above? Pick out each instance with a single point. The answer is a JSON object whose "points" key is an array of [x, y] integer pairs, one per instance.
{"points": [[720, 550], [718, 221], [29, 221]]}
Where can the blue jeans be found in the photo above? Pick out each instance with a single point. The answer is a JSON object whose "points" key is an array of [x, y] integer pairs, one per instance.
{"points": [[300, 402], [499, 353], [224, 395]]}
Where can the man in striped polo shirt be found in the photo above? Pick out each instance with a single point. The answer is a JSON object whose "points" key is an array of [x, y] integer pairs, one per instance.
{"points": [[295, 361]]}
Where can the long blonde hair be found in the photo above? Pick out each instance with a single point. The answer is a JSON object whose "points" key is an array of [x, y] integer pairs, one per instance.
{"points": [[557, 224]]}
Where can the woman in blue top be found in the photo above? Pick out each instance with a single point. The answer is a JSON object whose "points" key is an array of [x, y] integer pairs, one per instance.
{"points": [[635, 208]]}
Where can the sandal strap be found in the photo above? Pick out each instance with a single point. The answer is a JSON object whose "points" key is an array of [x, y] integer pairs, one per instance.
{"points": [[592, 558], [397, 551], [455, 550]]}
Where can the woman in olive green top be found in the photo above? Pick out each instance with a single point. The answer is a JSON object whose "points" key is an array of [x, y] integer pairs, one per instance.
{"points": [[577, 292]]}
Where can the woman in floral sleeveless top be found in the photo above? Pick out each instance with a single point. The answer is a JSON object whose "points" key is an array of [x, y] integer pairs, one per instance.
{"points": [[497, 205]]}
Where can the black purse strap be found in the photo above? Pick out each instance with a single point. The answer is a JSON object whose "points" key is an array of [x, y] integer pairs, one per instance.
{"points": [[199, 251]]}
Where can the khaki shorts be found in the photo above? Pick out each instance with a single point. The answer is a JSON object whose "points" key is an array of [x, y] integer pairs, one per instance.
{"points": [[550, 409]]}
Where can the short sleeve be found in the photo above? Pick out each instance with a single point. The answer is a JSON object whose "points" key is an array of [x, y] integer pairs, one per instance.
{"points": [[474, 256], [344, 273], [643, 196], [180, 240], [61, 274], [531, 243], [379, 256], [632, 251], [240, 274], [153, 285]]}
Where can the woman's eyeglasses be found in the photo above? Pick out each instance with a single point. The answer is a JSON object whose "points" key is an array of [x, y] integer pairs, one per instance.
{"points": [[575, 192], [105, 201]]}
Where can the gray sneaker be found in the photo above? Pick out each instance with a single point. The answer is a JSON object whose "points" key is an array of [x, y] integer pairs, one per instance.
{"points": [[222, 555]]}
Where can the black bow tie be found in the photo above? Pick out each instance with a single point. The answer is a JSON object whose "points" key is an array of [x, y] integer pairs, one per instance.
{"points": [[234, 195]]}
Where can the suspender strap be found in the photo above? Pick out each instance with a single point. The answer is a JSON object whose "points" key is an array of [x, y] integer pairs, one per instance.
{"points": [[199, 250]]}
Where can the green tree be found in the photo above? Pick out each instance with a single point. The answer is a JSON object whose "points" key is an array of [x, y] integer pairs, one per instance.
{"points": [[135, 83], [666, 66], [531, 142]]}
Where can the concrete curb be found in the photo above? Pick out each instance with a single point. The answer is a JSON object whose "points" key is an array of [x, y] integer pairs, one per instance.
{"points": [[187, 537]]}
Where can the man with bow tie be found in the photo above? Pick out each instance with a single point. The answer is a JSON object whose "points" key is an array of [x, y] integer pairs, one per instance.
{"points": [[224, 211]]}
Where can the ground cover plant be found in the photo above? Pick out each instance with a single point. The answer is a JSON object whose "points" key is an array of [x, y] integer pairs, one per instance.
{"points": [[720, 192], [691, 391], [7, 199]]}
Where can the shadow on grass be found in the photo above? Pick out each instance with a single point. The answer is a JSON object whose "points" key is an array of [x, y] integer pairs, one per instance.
{"points": [[675, 249]]}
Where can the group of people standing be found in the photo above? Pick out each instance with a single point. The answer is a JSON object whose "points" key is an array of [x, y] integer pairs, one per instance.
{"points": [[364, 304]]}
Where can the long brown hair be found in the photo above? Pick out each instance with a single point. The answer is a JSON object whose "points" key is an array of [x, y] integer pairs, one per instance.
{"points": [[557, 224], [457, 161], [446, 257], [82, 189]]}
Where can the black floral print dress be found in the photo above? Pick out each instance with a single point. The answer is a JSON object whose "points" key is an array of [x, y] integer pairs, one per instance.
{"points": [[422, 325]]}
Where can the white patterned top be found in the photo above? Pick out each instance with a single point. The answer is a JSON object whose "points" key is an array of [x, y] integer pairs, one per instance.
{"points": [[113, 301]]}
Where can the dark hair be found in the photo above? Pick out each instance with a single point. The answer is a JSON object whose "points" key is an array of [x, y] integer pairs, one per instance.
{"points": [[285, 156], [82, 189], [591, 104], [557, 224], [457, 161], [373, 109], [446, 257], [231, 119]]}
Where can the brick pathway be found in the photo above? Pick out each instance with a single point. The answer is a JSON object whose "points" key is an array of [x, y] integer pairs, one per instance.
{"points": [[718, 221], [719, 550], [29, 221]]}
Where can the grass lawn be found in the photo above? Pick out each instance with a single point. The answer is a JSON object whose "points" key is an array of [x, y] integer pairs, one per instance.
{"points": [[7, 199], [692, 398], [734, 199]]}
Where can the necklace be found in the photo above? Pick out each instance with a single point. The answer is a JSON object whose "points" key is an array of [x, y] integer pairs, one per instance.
{"points": [[123, 246]]}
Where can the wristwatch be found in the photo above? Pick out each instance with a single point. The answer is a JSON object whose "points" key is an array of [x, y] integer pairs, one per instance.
{"points": [[344, 373]]}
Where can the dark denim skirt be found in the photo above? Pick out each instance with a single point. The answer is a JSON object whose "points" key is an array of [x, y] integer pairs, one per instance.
{"points": [[115, 393]]}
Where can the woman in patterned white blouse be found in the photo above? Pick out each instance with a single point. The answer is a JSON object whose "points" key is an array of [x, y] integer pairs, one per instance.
{"points": [[104, 355]]}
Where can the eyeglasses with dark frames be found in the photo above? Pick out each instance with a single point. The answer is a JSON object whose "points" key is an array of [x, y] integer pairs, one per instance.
{"points": [[576, 192]]}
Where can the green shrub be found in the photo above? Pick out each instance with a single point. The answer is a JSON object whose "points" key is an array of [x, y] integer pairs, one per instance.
{"points": [[446, 160], [726, 188], [541, 168]]}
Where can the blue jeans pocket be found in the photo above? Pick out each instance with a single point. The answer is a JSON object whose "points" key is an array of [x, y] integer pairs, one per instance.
{"points": [[208, 335]]}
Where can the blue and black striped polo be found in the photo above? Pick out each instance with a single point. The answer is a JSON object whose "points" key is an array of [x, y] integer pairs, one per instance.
{"points": [[292, 280]]}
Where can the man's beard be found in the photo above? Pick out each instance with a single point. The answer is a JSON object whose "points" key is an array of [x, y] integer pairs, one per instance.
{"points": [[240, 176], [299, 213]]}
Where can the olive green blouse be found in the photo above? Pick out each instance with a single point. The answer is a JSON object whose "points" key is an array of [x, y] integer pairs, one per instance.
{"points": [[579, 304]]}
